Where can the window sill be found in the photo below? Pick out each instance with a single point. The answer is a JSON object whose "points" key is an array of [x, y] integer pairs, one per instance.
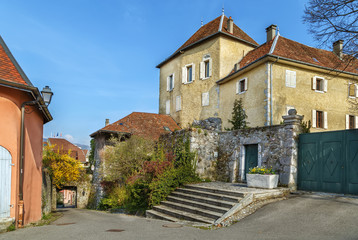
{"points": [[188, 82], [291, 86], [241, 92], [318, 91], [351, 97], [205, 78]]}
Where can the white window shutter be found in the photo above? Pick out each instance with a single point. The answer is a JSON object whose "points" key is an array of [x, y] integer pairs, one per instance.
{"points": [[178, 103], [237, 87], [210, 67], [325, 120], [168, 83], [314, 118], [193, 72], [347, 121], [205, 99], [356, 121], [167, 107], [356, 90], [325, 82], [314, 83], [183, 75], [202, 70], [287, 78], [293, 79], [173, 80], [245, 84]]}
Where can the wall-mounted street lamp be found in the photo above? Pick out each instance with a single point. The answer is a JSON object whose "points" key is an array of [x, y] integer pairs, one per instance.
{"points": [[46, 96]]}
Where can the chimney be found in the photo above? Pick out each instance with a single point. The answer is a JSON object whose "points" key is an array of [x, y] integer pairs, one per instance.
{"points": [[338, 48], [230, 25], [107, 122], [271, 32]]}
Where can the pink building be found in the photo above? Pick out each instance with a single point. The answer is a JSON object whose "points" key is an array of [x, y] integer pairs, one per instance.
{"points": [[20, 180]]}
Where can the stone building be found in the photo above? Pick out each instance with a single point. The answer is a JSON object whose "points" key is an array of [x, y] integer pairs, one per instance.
{"points": [[221, 63]]}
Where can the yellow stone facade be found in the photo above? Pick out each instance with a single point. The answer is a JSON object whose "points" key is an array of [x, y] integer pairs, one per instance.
{"points": [[223, 53]]}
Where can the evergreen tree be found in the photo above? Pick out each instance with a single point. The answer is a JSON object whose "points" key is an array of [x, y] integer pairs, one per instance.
{"points": [[239, 116]]}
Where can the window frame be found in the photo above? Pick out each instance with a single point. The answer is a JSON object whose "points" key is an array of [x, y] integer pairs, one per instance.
{"points": [[323, 85], [170, 79], [205, 99], [355, 86], [206, 67], [319, 119], [185, 76], [239, 85]]}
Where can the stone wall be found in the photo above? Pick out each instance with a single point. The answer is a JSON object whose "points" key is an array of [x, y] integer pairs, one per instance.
{"points": [[221, 155], [203, 142]]}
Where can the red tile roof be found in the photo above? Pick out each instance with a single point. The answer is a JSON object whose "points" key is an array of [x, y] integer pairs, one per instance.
{"points": [[9, 68], [210, 29], [292, 50], [146, 125], [63, 146]]}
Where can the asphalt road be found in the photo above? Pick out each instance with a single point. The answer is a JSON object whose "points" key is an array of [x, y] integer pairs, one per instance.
{"points": [[300, 217]]}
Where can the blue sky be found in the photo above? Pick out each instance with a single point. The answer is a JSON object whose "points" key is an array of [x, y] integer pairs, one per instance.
{"points": [[99, 56]]}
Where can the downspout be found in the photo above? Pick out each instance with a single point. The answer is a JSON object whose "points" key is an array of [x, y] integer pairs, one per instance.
{"points": [[20, 222]]}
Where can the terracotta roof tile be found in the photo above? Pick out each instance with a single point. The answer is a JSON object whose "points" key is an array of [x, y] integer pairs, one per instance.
{"points": [[63, 146], [213, 27], [287, 48], [146, 125], [8, 70]]}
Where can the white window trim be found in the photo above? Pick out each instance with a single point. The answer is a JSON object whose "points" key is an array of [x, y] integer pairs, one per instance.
{"points": [[184, 73], [355, 121], [238, 86], [325, 84], [205, 99], [168, 84], [288, 79], [178, 103]]}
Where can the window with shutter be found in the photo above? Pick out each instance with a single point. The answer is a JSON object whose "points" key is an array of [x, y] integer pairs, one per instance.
{"points": [[241, 86], [205, 99], [351, 122], [170, 82], [290, 79], [319, 119], [178, 103], [188, 73], [167, 107], [314, 120]]}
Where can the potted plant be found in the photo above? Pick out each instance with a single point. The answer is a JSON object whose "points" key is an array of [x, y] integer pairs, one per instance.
{"points": [[262, 177]]}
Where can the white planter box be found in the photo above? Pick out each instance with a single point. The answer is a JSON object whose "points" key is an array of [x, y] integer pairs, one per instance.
{"points": [[262, 181]]}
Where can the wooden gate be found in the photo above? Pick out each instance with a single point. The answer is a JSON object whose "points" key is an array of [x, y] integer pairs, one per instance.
{"points": [[5, 182], [328, 162]]}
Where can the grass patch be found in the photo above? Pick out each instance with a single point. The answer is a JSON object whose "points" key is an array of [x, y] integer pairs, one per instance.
{"points": [[11, 228], [47, 219]]}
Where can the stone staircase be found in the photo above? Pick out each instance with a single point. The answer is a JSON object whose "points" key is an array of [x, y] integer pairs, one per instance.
{"points": [[196, 204]]}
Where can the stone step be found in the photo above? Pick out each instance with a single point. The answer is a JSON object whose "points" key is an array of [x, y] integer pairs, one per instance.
{"points": [[200, 205], [183, 215], [215, 190], [158, 215], [192, 209], [208, 195], [200, 199]]}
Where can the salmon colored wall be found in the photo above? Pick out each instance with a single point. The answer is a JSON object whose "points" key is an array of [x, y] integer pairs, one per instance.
{"points": [[10, 109]]}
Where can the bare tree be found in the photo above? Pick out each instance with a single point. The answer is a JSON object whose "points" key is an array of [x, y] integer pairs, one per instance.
{"points": [[332, 20]]}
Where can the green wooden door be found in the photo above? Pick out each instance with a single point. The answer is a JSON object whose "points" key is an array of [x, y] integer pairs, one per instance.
{"points": [[328, 162], [251, 157]]}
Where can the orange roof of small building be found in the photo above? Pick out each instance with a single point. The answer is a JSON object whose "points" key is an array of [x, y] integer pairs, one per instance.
{"points": [[216, 26], [146, 125], [9, 68], [292, 50], [64, 146]]}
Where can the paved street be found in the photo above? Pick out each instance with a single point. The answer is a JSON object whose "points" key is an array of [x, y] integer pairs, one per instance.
{"points": [[300, 217]]}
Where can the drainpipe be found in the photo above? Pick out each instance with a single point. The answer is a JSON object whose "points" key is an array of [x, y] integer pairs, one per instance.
{"points": [[271, 90], [20, 222]]}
